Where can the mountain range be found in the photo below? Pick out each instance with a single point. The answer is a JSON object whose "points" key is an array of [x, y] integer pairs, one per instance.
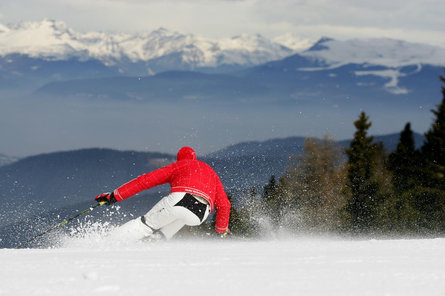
{"points": [[337, 74], [388, 77], [139, 54], [48, 59], [49, 51]]}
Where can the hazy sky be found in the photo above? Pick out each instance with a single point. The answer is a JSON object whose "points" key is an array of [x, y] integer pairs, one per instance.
{"points": [[412, 20]]}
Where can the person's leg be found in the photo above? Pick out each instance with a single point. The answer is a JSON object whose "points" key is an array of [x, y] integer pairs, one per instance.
{"points": [[163, 212], [167, 217], [184, 216], [148, 224], [169, 230], [133, 230]]}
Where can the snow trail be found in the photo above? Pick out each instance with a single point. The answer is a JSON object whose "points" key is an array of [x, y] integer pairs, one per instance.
{"points": [[228, 267]]}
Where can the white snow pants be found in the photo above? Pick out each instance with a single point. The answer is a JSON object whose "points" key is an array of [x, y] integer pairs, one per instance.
{"points": [[166, 218]]}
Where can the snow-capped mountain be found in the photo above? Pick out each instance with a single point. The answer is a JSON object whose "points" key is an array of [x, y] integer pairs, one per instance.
{"points": [[393, 57], [384, 52], [30, 46], [374, 69], [296, 42], [53, 40], [36, 54]]}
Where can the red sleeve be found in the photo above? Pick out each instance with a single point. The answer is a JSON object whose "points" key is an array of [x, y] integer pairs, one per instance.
{"points": [[223, 206], [144, 182]]}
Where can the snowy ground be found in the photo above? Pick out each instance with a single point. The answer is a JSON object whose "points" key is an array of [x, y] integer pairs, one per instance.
{"points": [[276, 267]]}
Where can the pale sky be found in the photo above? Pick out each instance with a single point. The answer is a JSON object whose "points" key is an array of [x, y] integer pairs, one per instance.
{"points": [[411, 20]]}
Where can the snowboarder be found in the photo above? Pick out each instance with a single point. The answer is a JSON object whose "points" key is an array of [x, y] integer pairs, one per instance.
{"points": [[195, 191]]}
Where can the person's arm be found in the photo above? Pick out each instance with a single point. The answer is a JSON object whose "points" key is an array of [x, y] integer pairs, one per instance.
{"points": [[143, 182], [222, 205]]}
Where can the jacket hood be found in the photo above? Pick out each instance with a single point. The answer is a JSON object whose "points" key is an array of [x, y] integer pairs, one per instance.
{"points": [[186, 153]]}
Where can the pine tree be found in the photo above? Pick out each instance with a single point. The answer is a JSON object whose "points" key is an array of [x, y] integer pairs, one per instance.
{"points": [[270, 189], [419, 207], [428, 200], [404, 162], [433, 150], [239, 220], [272, 200], [361, 205]]}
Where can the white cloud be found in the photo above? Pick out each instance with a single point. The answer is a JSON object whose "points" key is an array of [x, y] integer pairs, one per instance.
{"points": [[347, 32]]}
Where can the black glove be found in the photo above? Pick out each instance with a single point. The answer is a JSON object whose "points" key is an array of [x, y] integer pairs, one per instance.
{"points": [[106, 198]]}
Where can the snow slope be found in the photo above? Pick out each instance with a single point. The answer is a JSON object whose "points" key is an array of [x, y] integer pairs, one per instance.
{"points": [[276, 267]]}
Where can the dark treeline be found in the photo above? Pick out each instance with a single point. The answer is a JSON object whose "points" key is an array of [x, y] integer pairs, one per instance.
{"points": [[360, 190]]}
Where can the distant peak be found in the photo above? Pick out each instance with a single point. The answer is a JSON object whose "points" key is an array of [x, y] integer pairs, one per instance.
{"points": [[320, 44], [45, 24], [4, 28], [161, 31], [247, 36]]}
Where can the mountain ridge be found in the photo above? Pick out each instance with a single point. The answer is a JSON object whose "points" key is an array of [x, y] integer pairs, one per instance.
{"points": [[136, 162], [164, 50], [54, 40]]}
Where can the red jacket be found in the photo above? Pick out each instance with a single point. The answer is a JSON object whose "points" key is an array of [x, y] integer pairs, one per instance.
{"points": [[185, 175]]}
